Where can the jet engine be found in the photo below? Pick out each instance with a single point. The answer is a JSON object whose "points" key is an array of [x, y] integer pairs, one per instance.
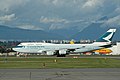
{"points": [[62, 52], [50, 52]]}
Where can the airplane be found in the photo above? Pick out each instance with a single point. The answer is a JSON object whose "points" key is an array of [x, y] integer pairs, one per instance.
{"points": [[62, 49]]}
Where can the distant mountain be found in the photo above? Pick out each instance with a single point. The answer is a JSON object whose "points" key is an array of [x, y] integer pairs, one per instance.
{"points": [[8, 33], [103, 18], [94, 31], [91, 32], [66, 32]]}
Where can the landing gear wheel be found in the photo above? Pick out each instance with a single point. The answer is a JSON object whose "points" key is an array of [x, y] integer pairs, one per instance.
{"points": [[61, 55]]}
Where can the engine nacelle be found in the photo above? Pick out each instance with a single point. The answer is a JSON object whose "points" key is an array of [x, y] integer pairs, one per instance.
{"points": [[62, 51], [50, 53]]}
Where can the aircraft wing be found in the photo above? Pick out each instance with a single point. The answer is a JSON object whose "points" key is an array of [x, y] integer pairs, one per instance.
{"points": [[88, 48], [79, 49]]}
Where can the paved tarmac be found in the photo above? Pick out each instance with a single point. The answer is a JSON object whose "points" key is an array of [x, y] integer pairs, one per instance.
{"points": [[61, 74]]}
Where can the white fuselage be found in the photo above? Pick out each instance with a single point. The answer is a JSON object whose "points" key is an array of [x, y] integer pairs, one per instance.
{"points": [[34, 47]]}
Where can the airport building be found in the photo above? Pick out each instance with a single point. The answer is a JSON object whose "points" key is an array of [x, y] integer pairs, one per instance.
{"points": [[115, 49]]}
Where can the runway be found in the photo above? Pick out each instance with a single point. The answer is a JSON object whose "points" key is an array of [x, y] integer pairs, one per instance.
{"points": [[61, 74]]}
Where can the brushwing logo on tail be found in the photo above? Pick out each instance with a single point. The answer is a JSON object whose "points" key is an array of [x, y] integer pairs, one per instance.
{"points": [[108, 38]]}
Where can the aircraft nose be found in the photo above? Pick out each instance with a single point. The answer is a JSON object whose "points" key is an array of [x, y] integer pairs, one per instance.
{"points": [[14, 49]]}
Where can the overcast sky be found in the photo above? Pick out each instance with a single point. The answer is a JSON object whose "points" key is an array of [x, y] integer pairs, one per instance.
{"points": [[57, 14]]}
